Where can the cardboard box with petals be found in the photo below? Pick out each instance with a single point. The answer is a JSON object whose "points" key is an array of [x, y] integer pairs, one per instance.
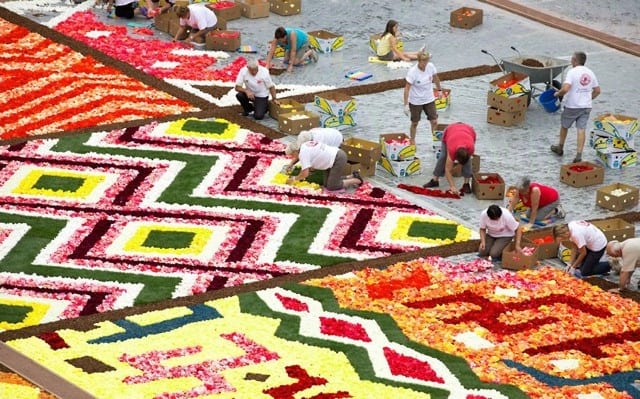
{"points": [[397, 146], [617, 197], [488, 186], [295, 122], [581, 174], [513, 260]]}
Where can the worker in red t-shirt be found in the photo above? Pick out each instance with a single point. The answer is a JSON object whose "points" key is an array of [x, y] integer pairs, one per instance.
{"points": [[542, 201]]}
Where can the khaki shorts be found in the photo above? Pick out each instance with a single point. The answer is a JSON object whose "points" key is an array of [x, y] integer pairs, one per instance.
{"points": [[429, 109]]}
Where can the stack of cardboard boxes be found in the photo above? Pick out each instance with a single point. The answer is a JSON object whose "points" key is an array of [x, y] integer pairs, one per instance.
{"points": [[613, 139], [399, 155], [508, 99]]}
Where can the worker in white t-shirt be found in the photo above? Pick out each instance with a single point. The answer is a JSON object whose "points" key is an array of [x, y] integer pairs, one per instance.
{"points": [[326, 135], [578, 90], [314, 155], [588, 244], [254, 85], [197, 19]]}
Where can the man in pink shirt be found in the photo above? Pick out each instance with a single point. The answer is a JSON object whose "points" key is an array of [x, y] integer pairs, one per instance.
{"points": [[458, 144]]}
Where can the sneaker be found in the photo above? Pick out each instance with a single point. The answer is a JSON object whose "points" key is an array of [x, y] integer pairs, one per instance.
{"points": [[557, 149], [313, 55], [466, 188], [431, 183], [560, 213], [578, 158]]}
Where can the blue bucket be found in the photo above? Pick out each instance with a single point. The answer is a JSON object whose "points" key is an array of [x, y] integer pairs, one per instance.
{"points": [[548, 101]]}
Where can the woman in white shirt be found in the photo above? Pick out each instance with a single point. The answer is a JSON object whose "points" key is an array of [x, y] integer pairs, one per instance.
{"points": [[314, 155], [588, 245]]}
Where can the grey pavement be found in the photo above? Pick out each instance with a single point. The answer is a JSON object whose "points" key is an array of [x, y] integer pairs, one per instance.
{"points": [[510, 151]]}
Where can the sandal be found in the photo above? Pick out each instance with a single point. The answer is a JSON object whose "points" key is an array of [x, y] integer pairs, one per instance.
{"points": [[356, 174]]}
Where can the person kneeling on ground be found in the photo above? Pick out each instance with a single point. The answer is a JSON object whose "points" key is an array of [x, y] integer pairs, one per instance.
{"points": [[197, 19], [325, 135], [497, 229], [296, 46], [458, 145], [332, 160], [629, 252], [542, 201], [588, 244], [254, 85]]}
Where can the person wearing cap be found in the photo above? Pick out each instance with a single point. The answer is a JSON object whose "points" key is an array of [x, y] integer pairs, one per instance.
{"points": [[542, 201], [628, 252], [588, 244], [418, 93], [326, 135], [332, 160], [457, 146], [253, 86], [387, 48], [197, 19]]}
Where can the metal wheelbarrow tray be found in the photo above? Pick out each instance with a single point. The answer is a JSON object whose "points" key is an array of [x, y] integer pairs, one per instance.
{"points": [[551, 68]]}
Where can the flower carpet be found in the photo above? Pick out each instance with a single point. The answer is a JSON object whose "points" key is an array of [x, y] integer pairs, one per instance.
{"points": [[97, 222], [418, 329], [47, 87]]}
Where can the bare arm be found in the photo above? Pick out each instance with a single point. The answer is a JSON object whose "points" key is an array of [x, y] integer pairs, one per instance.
{"points": [[595, 92], [272, 49], [293, 42], [405, 95], [304, 173], [563, 90], [448, 168]]}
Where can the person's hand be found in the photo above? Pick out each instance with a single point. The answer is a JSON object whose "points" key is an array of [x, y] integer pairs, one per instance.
{"points": [[569, 269], [290, 68], [453, 190], [482, 246], [518, 249], [250, 94], [276, 102], [407, 111], [527, 227]]}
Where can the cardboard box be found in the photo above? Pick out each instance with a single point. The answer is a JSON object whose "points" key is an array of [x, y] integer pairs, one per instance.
{"points": [[254, 8], [617, 159], [397, 146], [512, 84], [325, 41], [564, 251], [443, 99], [616, 125], [544, 241], [475, 166], [615, 229], [508, 104], [600, 140], [295, 122], [174, 27], [581, 174], [519, 261], [362, 151], [162, 21], [617, 196], [351, 167], [226, 10], [223, 40], [484, 187], [285, 7], [336, 109], [285, 106], [497, 117], [436, 135], [402, 168], [368, 169], [465, 17]]}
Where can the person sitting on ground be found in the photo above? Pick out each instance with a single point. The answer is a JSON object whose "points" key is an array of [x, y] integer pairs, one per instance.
{"points": [[326, 135], [542, 201], [332, 160], [458, 145], [588, 244], [628, 252], [387, 48], [253, 86], [196, 20], [497, 229], [296, 46]]}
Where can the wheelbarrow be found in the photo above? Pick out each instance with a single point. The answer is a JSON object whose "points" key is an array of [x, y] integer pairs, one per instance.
{"points": [[540, 69]]}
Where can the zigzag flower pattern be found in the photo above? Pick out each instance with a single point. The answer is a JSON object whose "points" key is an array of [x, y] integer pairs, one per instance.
{"points": [[165, 210], [48, 88]]}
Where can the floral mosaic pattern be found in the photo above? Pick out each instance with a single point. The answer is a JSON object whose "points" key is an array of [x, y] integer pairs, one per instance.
{"points": [[165, 210], [48, 88]]}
